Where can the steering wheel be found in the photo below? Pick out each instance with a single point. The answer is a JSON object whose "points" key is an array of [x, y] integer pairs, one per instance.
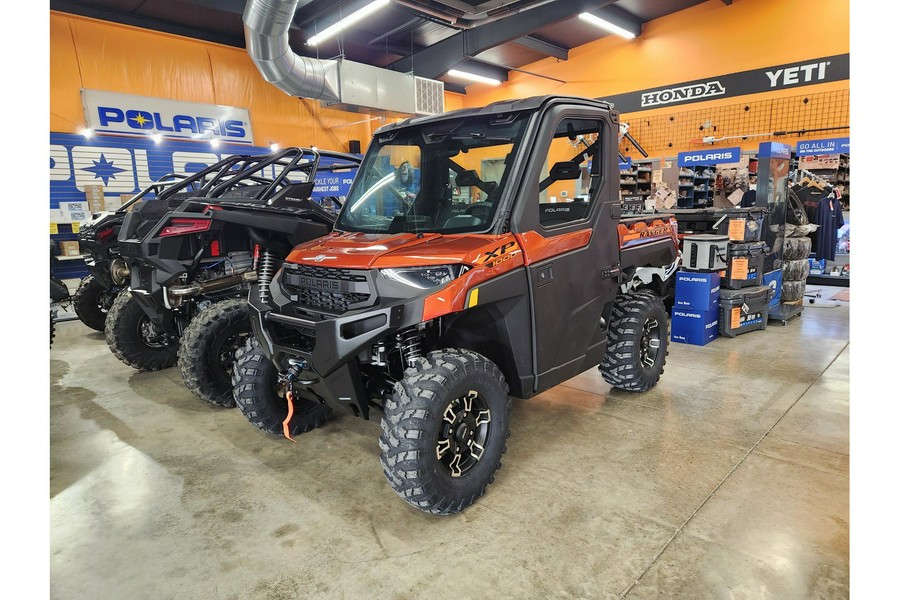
{"points": [[481, 210]]}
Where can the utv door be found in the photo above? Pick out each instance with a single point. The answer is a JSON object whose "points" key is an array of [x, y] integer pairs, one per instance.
{"points": [[569, 239]]}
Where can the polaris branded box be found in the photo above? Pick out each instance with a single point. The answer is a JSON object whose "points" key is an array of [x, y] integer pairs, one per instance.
{"points": [[746, 265], [773, 280], [743, 224], [697, 327], [704, 252], [745, 310], [697, 291]]}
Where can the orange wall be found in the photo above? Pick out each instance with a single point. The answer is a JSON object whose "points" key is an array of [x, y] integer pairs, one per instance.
{"points": [[706, 40], [91, 54]]}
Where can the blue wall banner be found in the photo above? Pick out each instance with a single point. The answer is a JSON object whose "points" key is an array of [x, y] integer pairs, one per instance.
{"points": [[774, 150], [625, 165], [709, 157], [829, 146]]}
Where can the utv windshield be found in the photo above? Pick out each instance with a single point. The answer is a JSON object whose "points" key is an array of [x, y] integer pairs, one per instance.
{"points": [[444, 177]]}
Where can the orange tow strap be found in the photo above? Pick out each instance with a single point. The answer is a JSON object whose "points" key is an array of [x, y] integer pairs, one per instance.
{"points": [[287, 419]]}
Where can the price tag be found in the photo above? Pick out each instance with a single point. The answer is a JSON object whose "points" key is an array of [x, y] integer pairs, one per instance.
{"points": [[75, 226], [54, 228], [740, 268], [736, 317], [736, 229]]}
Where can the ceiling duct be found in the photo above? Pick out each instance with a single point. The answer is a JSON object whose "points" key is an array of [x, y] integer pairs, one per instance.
{"points": [[340, 84]]}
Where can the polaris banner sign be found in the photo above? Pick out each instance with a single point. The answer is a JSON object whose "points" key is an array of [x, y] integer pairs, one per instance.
{"points": [[108, 112], [830, 146], [709, 157]]}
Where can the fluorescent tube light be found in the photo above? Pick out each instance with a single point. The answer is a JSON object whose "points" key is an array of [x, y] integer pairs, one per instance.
{"points": [[346, 22], [472, 77], [598, 22]]}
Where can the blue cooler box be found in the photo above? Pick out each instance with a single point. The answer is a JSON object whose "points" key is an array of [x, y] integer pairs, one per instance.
{"points": [[697, 291], [695, 327]]}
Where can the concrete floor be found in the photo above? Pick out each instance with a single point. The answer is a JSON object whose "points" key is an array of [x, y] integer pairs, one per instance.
{"points": [[728, 480]]}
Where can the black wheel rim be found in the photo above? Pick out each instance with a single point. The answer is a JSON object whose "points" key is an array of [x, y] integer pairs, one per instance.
{"points": [[228, 348], [464, 434], [152, 335], [650, 343]]}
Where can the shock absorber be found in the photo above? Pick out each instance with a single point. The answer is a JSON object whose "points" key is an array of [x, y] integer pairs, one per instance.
{"points": [[410, 344], [266, 268]]}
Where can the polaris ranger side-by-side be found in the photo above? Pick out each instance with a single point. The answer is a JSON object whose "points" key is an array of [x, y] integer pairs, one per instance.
{"points": [[190, 267], [506, 271]]}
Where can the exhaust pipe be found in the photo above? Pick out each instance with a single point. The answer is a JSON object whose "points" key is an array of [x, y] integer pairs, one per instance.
{"points": [[119, 271], [266, 26], [177, 292]]}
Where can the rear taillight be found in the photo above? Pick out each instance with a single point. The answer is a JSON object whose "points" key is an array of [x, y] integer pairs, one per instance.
{"points": [[185, 226], [104, 233]]}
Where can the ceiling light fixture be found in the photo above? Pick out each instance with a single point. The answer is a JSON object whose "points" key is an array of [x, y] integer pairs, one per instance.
{"points": [[346, 22], [156, 137], [88, 133], [473, 77], [214, 143], [610, 27], [274, 147]]}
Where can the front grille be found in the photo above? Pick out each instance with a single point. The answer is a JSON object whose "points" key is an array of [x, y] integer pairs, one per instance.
{"points": [[326, 272], [335, 302], [326, 289]]}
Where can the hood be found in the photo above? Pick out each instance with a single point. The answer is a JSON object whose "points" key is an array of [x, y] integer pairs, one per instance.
{"points": [[374, 251]]}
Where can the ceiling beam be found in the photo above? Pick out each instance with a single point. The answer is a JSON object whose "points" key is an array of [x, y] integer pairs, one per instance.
{"points": [[113, 16], [435, 60], [542, 46]]}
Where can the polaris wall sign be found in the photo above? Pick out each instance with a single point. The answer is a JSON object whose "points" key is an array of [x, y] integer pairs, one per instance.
{"points": [[709, 157], [139, 115]]}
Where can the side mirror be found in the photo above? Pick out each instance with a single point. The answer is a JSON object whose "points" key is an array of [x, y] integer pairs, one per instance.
{"points": [[565, 170]]}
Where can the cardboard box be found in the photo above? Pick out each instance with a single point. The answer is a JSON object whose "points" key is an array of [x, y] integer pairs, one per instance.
{"points": [[56, 215], [69, 248], [112, 203], [695, 327], [75, 211], [93, 194], [697, 291]]}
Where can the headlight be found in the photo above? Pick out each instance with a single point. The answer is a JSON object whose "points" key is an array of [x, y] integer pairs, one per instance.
{"points": [[424, 277]]}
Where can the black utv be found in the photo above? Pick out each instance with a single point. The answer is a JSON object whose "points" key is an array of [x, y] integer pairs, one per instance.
{"points": [[190, 264], [100, 239]]}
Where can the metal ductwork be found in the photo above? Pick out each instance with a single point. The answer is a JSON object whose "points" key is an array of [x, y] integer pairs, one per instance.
{"points": [[340, 84]]}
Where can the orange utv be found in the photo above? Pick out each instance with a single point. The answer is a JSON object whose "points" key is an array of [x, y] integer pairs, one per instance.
{"points": [[495, 263]]}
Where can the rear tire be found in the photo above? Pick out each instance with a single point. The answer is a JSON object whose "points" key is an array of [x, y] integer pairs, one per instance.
{"points": [[257, 393], [444, 431], [208, 346], [638, 342], [134, 339], [92, 301]]}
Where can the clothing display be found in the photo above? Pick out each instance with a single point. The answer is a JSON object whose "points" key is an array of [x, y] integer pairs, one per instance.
{"points": [[830, 218]]}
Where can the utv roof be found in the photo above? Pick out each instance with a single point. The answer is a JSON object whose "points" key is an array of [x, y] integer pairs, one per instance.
{"points": [[503, 106]]}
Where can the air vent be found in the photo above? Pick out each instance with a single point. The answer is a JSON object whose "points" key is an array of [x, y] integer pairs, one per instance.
{"points": [[429, 96]]}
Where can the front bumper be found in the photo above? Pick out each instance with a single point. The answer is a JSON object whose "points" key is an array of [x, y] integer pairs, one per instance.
{"points": [[327, 348]]}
